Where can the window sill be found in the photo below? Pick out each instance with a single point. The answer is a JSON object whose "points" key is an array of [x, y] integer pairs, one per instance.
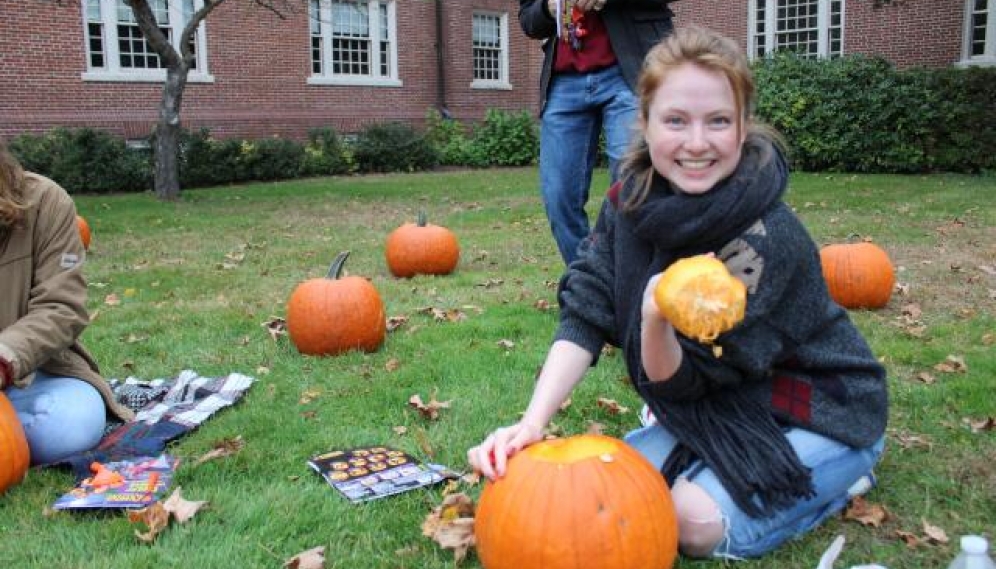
{"points": [[354, 81], [492, 85], [977, 62], [140, 77]]}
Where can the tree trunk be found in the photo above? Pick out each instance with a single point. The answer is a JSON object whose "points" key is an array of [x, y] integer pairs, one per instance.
{"points": [[167, 173]]}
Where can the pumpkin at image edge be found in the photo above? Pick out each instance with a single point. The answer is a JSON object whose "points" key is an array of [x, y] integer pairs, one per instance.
{"points": [[421, 248], [14, 454], [581, 502], [334, 314], [84, 229]]}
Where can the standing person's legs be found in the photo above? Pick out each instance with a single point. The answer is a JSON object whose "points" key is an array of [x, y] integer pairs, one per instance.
{"points": [[568, 147], [60, 415], [619, 112]]}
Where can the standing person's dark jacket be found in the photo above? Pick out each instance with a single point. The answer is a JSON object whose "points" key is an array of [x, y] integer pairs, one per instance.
{"points": [[634, 27]]}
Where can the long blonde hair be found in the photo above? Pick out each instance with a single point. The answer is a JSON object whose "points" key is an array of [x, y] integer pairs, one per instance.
{"points": [[711, 51], [12, 204]]}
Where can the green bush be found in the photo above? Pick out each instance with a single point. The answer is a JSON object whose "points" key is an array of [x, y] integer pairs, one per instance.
{"points": [[505, 139], [393, 147], [449, 137], [859, 114], [84, 160], [326, 154], [273, 159]]}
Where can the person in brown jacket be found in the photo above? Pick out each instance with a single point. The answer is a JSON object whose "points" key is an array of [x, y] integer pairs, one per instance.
{"points": [[53, 383]]}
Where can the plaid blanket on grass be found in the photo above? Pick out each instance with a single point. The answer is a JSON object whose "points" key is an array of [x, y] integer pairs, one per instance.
{"points": [[165, 410]]}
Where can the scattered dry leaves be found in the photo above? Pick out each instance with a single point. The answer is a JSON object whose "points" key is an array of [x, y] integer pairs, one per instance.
{"points": [[611, 405], [952, 364], [156, 516], [451, 524]]}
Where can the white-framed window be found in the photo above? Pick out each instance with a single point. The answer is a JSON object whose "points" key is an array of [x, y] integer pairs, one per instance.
{"points": [[489, 40], [353, 42], [980, 32], [117, 51], [812, 28]]}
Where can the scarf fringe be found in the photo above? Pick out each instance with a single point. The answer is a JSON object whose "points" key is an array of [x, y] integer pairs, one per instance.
{"points": [[743, 445]]}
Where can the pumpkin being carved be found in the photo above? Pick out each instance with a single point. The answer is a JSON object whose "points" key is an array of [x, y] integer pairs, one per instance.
{"points": [[84, 229], [859, 275], [14, 454], [577, 503], [700, 297], [421, 249], [331, 315]]}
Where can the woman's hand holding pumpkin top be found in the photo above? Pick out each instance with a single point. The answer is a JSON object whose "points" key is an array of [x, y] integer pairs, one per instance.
{"points": [[491, 456], [661, 351]]}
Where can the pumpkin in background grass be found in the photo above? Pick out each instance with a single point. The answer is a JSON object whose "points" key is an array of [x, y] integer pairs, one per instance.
{"points": [[421, 249], [84, 229], [331, 315], [14, 455], [859, 275], [577, 503], [700, 297]]}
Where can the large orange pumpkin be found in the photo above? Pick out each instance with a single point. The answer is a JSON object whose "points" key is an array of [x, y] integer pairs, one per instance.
{"points": [[331, 315], [14, 454], [700, 297], [859, 275], [581, 502], [84, 229], [421, 249]]}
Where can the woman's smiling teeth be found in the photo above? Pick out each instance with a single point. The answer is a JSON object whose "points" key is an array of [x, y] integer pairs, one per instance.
{"points": [[695, 164]]}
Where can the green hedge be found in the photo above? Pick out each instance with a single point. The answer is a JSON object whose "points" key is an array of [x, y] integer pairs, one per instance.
{"points": [[860, 114]]}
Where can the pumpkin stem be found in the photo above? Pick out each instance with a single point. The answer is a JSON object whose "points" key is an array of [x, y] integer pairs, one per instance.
{"points": [[336, 266], [421, 218]]}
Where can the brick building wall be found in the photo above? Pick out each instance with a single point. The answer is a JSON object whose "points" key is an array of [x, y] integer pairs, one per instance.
{"points": [[907, 33], [260, 65]]}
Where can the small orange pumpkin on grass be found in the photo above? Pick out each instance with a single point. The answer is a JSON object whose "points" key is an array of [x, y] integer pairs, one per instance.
{"points": [[421, 248], [700, 297], [858, 275], [576, 503], [332, 315]]}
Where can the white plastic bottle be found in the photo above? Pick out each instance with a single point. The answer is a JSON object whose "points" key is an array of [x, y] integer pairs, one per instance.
{"points": [[974, 554]]}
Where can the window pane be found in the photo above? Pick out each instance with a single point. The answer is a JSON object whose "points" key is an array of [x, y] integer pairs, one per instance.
{"points": [[487, 48]]}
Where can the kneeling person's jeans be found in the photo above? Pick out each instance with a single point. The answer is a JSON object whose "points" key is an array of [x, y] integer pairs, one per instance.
{"points": [[61, 416], [835, 468]]}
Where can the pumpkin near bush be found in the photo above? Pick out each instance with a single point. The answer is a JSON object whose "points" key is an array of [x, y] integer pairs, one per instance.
{"points": [[331, 315], [576, 503], [858, 275], [14, 454], [84, 229], [700, 297], [421, 249]]}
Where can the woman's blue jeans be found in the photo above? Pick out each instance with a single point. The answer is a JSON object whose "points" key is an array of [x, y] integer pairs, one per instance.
{"points": [[61, 416], [835, 468], [579, 106]]}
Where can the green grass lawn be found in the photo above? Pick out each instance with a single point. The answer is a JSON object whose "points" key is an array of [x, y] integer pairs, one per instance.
{"points": [[197, 280]]}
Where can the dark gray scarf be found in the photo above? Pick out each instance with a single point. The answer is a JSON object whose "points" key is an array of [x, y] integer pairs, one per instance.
{"points": [[732, 434]]}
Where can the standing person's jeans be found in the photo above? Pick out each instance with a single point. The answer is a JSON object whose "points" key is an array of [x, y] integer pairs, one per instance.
{"points": [[579, 106], [837, 472], [61, 416]]}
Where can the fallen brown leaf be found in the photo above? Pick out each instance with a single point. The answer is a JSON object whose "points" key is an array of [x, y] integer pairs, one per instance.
{"points": [[866, 513], [155, 517], [222, 448], [952, 364], [182, 510], [451, 524], [934, 533], [428, 410], [313, 558], [611, 405]]}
